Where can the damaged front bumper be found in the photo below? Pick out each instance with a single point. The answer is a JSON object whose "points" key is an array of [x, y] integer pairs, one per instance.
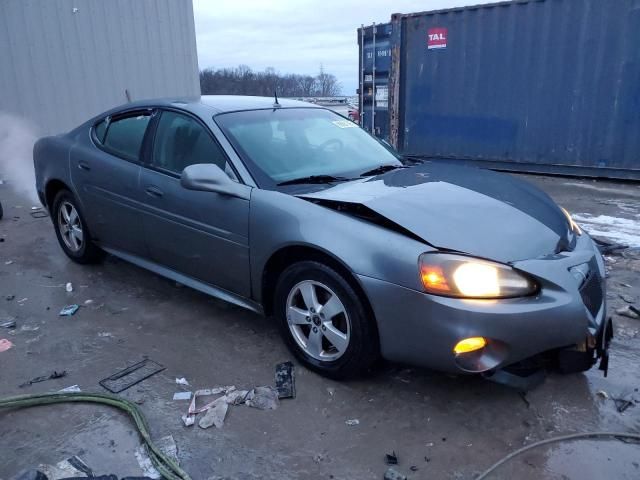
{"points": [[567, 318]]}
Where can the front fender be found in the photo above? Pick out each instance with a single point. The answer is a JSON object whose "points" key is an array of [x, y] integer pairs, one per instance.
{"points": [[278, 220]]}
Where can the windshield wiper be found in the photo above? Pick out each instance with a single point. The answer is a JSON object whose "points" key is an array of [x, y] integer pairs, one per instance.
{"points": [[381, 169], [414, 159], [314, 179]]}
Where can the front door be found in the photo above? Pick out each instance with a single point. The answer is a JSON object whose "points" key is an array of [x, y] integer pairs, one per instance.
{"points": [[203, 235]]}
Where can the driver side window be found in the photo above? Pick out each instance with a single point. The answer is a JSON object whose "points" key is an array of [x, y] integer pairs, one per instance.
{"points": [[181, 141]]}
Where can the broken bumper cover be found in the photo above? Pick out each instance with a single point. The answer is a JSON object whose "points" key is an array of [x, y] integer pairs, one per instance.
{"points": [[422, 329]]}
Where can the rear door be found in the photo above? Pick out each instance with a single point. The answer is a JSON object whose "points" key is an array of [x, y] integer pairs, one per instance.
{"points": [[201, 234], [105, 171]]}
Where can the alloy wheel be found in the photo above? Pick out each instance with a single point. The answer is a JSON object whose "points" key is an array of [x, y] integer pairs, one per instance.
{"points": [[318, 320], [70, 226]]}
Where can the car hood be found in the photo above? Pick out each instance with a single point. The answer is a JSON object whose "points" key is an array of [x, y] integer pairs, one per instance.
{"points": [[469, 210]]}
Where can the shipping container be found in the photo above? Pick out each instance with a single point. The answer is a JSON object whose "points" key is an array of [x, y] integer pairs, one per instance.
{"points": [[548, 86]]}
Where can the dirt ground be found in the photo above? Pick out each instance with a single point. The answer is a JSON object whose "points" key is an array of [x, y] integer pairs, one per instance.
{"points": [[446, 427]]}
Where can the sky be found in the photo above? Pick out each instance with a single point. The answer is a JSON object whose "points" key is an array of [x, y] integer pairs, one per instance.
{"points": [[295, 36]]}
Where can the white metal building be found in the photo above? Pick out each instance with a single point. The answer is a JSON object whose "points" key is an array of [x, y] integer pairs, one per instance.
{"points": [[62, 61]]}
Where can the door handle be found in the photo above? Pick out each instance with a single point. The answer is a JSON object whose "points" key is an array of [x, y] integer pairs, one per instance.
{"points": [[154, 191], [84, 166]]}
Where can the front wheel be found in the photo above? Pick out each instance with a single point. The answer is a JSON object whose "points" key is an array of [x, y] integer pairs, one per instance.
{"points": [[324, 321], [72, 231]]}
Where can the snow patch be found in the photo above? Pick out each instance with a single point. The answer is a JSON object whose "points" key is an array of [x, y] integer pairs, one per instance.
{"points": [[620, 230]]}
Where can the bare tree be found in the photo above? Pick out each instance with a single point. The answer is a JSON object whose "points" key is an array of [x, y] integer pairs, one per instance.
{"points": [[244, 81], [328, 85]]}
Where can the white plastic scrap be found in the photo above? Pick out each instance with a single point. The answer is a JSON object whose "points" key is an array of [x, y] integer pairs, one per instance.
{"points": [[263, 398], [182, 396], [166, 445], [190, 417], [63, 469], [69, 287], [72, 388], [216, 414], [182, 381], [216, 410], [352, 422]]}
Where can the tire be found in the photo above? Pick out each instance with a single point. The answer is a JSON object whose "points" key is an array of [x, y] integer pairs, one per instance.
{"points": [[351, 328], [86, 251]]}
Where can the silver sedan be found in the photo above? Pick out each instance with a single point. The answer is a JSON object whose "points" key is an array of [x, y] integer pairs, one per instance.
{"points": [[293, 211]]}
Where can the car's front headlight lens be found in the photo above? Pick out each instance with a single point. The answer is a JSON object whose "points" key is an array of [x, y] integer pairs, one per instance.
{"points": [[468, 277], [575, 228]]}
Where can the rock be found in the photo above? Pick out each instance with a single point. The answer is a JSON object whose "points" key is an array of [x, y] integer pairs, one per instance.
{"points": [[393, 474]]}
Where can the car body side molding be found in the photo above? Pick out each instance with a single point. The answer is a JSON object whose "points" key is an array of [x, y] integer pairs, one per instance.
{"points": [[188, 281]]}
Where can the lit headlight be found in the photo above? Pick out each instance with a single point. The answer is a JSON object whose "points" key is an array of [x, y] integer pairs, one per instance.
{"points": [[467, 277], [575, 228]]}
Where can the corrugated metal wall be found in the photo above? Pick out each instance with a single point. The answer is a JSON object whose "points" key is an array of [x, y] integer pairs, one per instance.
{"points": [[538, 85], [63, 61]]}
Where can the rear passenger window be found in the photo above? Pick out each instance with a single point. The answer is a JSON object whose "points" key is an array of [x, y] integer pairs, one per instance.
{"points": [[124, 136]]}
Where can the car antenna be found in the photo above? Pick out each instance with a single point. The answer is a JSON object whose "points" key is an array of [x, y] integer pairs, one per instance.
{"points": [[275, 95]]}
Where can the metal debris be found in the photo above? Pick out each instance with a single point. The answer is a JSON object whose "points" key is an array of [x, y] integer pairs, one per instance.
{"points": [[8, 324], [69, 310], [391, 458], [128, 377], [44, 378], [285, 380], [629, 311]]}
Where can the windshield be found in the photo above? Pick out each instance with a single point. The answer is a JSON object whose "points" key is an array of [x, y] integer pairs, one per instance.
{"points": [[279, 145]]}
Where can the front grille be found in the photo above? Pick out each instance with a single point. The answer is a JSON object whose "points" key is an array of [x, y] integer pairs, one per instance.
{"points": [[591, 292]]}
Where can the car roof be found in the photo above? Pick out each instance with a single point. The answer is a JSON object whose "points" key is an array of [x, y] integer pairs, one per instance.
{"points": [[217, 103]]}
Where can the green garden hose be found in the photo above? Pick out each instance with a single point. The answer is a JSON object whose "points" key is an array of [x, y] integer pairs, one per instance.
{"points": [[167, 467]]}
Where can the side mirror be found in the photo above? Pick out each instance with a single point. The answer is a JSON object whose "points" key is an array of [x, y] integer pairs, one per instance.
{"points": [[207, 177]]}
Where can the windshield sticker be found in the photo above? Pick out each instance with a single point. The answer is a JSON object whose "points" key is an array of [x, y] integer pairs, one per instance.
{"points": [[344, 124]]}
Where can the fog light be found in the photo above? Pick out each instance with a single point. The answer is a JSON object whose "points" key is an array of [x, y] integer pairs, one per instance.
{"points": [[469, 345]]}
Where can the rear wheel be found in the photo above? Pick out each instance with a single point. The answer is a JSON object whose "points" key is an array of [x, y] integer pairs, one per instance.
{"points": [[71, 230], [324, 321]]}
